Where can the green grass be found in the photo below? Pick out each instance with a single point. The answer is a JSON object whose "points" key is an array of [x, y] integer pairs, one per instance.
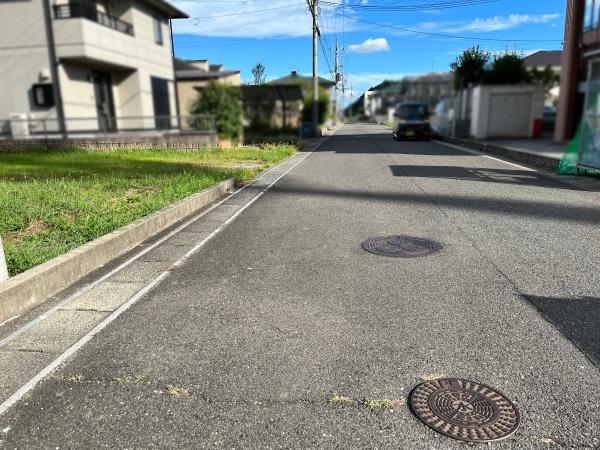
{"points": [[53, 202]]}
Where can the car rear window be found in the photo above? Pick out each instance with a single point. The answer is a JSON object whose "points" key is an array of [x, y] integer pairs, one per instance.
{"points": [[412, 112]]}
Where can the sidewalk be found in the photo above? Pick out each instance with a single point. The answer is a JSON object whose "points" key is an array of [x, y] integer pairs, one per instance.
{"points": [[544, 153]]}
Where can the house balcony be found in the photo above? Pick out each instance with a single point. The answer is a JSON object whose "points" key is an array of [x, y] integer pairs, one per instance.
{"points": [[80, 10], [87, 35]]}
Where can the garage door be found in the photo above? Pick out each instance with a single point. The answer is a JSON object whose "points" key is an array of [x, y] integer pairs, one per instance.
{"points": [[510, 115]]}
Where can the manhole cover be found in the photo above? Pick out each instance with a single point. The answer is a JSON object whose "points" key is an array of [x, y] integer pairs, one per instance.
{"points": [[465, 410], [401, 246]]}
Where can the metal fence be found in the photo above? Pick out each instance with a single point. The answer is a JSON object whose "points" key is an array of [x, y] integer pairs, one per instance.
{"points": [[91, 12], [94, 126]]}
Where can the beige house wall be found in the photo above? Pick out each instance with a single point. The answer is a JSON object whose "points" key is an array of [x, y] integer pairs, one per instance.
{"points": [[189, 90], [82, 46], [23, 55]]}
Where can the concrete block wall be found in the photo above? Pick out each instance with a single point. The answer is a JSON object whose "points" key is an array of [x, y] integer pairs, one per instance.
{"points": [[179, 142]]}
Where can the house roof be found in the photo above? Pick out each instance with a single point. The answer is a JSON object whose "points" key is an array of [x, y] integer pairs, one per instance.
{"points": [[169, 10], [186, 70], [394, 88], [271, 92], [544, 58], [295, 78]]}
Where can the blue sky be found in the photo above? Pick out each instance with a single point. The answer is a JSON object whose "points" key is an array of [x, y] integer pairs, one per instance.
{"points": [[240, 33]]}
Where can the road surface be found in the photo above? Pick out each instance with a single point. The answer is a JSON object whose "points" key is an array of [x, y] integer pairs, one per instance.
{"points": [[280, 331]]}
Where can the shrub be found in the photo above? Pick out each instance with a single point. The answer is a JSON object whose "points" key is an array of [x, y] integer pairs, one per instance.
{"points": [[224, 103], [507, 68], [324, 106]]}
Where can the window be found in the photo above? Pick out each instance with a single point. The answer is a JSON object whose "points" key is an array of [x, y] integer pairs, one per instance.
{"points": [[592, 14], [158, 31], [43, 95]]}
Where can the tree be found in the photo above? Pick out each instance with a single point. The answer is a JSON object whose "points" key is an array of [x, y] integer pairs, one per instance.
{"points": [[324, 106], [470, 67], [224, 103], [545, 77], [258, 71], [507, 68]]}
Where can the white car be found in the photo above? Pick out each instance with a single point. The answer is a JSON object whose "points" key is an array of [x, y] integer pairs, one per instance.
{"points": [[443, 115]]}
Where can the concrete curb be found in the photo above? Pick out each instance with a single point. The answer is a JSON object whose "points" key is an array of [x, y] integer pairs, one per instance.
{"points": [[30, 288], [543, 162]]}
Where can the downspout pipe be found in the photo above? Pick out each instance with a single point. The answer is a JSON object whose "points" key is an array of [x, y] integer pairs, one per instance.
{"points": [[174, 76], [58, 100]]}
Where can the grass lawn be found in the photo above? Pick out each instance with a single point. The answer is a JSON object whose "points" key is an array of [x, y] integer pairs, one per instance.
{"points": [[53, 202]]}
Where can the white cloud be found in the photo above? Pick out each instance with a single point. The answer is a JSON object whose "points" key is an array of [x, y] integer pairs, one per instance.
{"points": [[504, 23], [496, 23], [370, 46], [252, 18]]}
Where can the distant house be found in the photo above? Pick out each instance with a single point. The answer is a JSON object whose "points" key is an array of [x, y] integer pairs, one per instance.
{"points": [[193, 76], [542, 60], [279, 102], [430, 89], [86, 66], [305, 81], [545, 58]]}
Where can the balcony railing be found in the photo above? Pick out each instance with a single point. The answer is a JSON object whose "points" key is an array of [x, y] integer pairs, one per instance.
{"points": [[90, 12]]}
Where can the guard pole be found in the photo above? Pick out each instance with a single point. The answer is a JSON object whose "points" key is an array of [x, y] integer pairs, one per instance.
{"points": [[3, 268]]}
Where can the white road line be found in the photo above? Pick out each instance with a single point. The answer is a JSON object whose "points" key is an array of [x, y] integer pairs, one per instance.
{"points": [[478, 153], [509, 163], [34, 322], [27, 387]]}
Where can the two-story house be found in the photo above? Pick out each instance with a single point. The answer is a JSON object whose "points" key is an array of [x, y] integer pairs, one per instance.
{"points": [[193, 76], [88, 65]]}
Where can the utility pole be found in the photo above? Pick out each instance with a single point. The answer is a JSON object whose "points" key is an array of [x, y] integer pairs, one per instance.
{"points": [[337, 81], [314, 10]]}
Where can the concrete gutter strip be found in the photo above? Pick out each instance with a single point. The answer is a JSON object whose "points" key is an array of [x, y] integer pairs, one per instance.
{"points": [[26, 290], [541, 161]]}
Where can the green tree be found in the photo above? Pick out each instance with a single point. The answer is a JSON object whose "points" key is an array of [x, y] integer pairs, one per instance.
{"points": [[470, 67], [324, 106], [545, 77], [224, 103], [507, 68]]}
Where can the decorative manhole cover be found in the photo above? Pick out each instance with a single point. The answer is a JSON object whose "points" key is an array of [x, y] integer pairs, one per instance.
{"points": [[465, 410], [401, 246]]}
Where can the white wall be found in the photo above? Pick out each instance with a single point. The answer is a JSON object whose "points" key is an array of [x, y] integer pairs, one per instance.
{"points": [[506, 103]]}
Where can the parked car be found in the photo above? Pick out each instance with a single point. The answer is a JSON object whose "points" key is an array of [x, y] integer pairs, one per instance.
{"points": [[441, 120], [411, 121]]}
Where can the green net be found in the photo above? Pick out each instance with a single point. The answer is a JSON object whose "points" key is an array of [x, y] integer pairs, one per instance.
{"points": [[568, 163], [583, 153]]}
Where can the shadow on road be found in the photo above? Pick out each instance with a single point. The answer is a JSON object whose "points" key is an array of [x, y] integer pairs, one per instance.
{"points": [[423, 148], [503, 176], [503, 207], [577, 318]]}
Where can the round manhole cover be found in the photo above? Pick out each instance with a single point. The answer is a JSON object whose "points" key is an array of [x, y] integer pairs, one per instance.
{"points": [[401, 246], [465, 410]]}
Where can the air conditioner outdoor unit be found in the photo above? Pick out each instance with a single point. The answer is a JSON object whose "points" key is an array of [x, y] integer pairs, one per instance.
{"points": [[19, 125]]}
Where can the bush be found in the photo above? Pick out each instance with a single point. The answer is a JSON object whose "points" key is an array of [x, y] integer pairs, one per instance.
{"points": [[224, 103], [324, 106], [507, 68], [470, 67], [476, 66]]}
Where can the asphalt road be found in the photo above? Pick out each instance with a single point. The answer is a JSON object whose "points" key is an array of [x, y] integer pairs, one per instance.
{"points": [[248, 342]]}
